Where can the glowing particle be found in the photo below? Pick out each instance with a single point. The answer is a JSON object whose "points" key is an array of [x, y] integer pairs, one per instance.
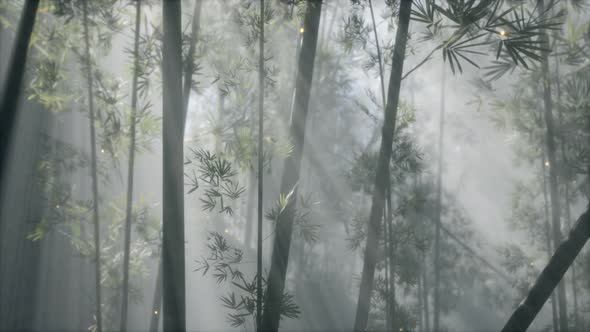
{"points": [[547, 163], [155, 312], [101, 150], [502, 33], [226, 231], [301, 30], [57, 206]]}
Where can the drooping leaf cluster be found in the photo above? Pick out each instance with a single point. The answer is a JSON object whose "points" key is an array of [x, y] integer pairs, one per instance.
{"points": [[224, 262]]}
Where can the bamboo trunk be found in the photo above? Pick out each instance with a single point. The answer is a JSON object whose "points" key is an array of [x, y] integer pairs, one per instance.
{"points": [[173, 252], [387, 278], [388, 222], [566, 184], [378, 200], [93, 170], [284, 226], [13, 82], [260, 168], [188, 70], [551, 275], [437, 213], [10, 98], [553, 189], [130, 170], [423, 273]]}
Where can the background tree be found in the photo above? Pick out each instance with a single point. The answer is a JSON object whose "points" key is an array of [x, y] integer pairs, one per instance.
{"points": [[131, 164], [93, 170], [259, 239]]}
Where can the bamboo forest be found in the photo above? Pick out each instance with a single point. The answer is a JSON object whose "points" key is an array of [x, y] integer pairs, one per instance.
{"points": [[295, 165]]}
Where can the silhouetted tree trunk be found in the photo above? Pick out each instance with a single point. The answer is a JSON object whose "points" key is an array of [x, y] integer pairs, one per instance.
{"points": [[588, 166], [551, 275], [553, 186], [173, 196], [388, 222], [378, 200], [2, 50], [22, 207], [260, 167], [19, 292], [284, 226], [93, 170], [438, 207], [12, 84], [130, 170], [188, 78], [387, 276]]}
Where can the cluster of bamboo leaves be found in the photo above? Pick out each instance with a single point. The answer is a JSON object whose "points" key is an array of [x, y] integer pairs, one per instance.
{"points": [[224, 262]]}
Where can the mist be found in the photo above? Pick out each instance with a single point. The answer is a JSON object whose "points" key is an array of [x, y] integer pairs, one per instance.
{"points": [[294, 165]]}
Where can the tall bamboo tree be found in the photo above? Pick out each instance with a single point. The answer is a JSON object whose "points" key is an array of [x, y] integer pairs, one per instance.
{"points": [[13, 315], [13, 82], [567, 193], [423, 269], [388, 218], [553, 167], [438, 206], [11, 93], [93, 170], [378, 200], [290, 179], [189, 70], [173, 196], [260, 167], [130, 168]]}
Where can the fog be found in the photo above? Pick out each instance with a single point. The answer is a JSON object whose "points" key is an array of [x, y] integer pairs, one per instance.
{"points": [[342, 218]]}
